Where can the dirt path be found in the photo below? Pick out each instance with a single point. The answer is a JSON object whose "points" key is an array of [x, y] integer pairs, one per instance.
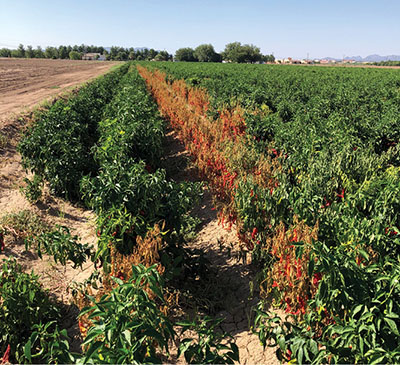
{"points": [[232, 265]]}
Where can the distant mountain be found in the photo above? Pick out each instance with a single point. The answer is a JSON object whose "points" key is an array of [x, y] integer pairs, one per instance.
{"points": [[377, 58], [370, 58]]}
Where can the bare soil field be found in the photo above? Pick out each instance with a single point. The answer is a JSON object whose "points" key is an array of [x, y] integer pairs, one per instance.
{"points": [[26, 82]]}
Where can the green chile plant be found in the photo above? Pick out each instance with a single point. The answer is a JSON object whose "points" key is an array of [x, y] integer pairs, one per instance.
{"points": [[24, 306], [128, 326], [60, 244], [33, 189], [66, 157], [47, 345], [207, 348], [132, 126]]}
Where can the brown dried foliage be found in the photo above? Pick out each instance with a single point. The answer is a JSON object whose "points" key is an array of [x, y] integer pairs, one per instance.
{"points": [[146, 252]]}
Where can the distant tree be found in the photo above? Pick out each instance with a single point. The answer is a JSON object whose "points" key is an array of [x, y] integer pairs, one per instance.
{"points": [[122, 56], [82, 48], [152, 53], [63, 52], [21, 51], [218, 57], [51, 52], [232, 52], [5, 52], [138, 55], [29, 53], [163, 56], [146, 54], [251, 53], [74, 55], [206, 53], [236, 52], [15, 53], [185, 55], [269, 58], [114, 52], [132, 55], [39, 52]]}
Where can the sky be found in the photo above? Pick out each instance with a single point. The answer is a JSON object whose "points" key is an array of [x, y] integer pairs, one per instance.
{"points": [[286, 28]]}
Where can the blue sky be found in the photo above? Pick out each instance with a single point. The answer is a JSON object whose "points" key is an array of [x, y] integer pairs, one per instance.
{"points": [[285, 27]]}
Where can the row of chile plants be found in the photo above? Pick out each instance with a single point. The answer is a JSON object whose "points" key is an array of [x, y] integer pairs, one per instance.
{"points": [[104, 151], [305, 162]]}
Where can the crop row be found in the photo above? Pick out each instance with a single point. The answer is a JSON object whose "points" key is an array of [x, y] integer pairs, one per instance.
{"points": [[305, 161]]}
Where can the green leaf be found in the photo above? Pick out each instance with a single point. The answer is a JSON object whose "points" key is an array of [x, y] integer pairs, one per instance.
{"points": [[281, 342], [392, 324], [27, 351], [92, 349], [377, 359]]}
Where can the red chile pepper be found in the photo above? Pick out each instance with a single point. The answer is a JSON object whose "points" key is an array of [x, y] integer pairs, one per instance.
{"points": [[6, 356], [341, 195], [317, 277], [298, 271], [254, 233], [294, 238]]}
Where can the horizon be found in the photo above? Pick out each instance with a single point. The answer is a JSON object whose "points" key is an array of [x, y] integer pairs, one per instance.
{"points": [[291, 29]]}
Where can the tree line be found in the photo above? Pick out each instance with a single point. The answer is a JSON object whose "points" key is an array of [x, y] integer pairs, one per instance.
{"points": [[77, 52], [233, 52], [61, 52]]}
